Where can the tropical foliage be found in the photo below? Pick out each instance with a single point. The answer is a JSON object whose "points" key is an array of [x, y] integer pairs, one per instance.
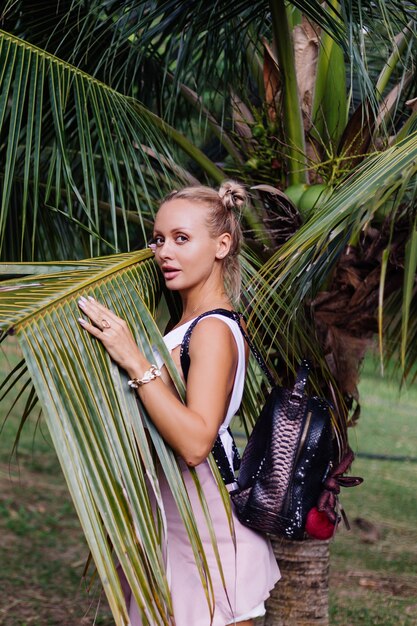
{"points": [[105, 106], [108, 105], [110, 452]]}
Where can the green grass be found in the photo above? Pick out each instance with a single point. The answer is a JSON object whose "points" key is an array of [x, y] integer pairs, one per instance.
{"points": [[374, 575]]}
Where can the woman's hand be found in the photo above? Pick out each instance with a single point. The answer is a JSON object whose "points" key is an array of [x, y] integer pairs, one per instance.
{"points": [[114, 334]]}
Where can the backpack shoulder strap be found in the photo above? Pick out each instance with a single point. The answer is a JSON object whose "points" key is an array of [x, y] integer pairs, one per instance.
{"points": [[184, 351]]}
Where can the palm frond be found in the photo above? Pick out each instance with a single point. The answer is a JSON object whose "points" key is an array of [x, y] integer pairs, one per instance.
{"points": [[73, 144], [409, 290], [304, 265], [99, 429], [284, 339], [392, 333]]}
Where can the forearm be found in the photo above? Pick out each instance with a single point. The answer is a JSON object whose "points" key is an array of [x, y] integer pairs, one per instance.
{"points": [[188, 432]]}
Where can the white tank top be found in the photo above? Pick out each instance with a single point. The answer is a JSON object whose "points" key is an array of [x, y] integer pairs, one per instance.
{"points": [[174, 338]]}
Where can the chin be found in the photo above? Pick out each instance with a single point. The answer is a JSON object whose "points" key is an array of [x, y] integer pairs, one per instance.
{"points": [[172, 285]]}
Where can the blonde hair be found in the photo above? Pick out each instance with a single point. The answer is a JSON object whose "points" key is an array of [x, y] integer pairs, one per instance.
{"points": [[224, 217]]}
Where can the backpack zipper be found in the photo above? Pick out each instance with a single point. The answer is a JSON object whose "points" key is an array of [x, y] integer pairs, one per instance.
{"points": [[299, 448]]}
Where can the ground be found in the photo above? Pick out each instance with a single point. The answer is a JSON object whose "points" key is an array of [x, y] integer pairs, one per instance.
{"points": [[43, 555]]}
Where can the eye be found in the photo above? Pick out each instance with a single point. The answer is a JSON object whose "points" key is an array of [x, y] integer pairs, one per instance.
{"points": [[158, 240], [181, 238]]}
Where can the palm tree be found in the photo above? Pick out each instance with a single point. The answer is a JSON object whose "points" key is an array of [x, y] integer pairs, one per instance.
{"points": [[105, 106]]}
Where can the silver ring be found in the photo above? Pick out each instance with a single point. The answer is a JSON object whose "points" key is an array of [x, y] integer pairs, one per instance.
{"points": [[105, 323]]}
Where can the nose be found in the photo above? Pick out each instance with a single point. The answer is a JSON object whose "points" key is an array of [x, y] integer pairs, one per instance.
{"points": [[165, 251]]}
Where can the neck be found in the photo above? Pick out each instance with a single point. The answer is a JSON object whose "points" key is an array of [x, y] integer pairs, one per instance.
{"points": [[195, 303]]}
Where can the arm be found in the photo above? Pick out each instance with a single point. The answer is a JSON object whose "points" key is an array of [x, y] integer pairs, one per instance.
{"points": [[189, 429]]}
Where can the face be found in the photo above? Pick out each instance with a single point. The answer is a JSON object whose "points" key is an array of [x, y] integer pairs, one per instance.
{"points": [[186, 252]]}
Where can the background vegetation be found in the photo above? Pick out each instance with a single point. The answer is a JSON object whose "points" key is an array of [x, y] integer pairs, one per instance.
{"points": [[374, 566]]}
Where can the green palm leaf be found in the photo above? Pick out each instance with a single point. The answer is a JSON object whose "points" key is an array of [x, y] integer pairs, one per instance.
{"points": [[303, 265], [75, 145], [409, 291], [97, 425]]}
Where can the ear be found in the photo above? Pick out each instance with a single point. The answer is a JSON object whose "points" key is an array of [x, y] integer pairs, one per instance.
{"points": [[224, 241]]}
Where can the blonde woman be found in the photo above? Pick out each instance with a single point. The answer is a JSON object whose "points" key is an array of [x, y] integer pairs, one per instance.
{"points": [[197, 239]]}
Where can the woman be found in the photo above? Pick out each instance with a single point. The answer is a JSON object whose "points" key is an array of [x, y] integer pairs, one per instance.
{"points": [[197, 240]]}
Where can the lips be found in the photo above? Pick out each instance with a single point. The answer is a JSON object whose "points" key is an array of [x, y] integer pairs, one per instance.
{"points": [[170, 272]]}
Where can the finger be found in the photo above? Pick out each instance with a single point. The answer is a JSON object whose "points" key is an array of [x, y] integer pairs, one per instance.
{"points": [[90, 311], [102, 309], [97, 311], [93, 330], [95, 315]]}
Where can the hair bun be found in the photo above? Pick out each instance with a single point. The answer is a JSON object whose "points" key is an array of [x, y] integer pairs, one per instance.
{"points": [[233, 195]]}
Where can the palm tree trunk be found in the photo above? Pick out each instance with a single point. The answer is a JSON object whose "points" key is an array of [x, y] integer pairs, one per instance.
{"points": [[301, 596]]}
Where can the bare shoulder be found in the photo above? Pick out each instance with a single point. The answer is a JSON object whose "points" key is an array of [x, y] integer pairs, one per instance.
{"points": [[211, 331], [214, 335], [213, 354]]}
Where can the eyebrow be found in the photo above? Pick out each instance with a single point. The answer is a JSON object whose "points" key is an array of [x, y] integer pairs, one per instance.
{"points": [[181, 229]]}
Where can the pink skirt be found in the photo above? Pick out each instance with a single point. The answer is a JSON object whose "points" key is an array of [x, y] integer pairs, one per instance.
{"points": [[250, 569]]}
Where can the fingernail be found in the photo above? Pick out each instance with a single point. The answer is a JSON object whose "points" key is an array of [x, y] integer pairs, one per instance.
{"points": [[82, 299], [81, 321], [91, 298], [82, 303]]}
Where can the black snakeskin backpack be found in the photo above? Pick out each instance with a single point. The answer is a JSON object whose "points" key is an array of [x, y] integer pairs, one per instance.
{"points": [[285, 462], [287, 456]]}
